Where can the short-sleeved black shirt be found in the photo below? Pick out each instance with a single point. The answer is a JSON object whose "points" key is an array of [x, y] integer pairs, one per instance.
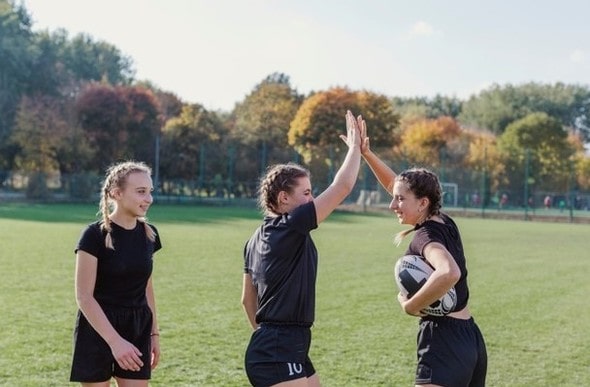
{"points": [[122, 273], [448, 235], [282, 260]]}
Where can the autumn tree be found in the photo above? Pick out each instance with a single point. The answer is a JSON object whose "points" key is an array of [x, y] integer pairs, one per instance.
{"points": [[142, 123], [426, 141], [315, 130], [120, 123]]}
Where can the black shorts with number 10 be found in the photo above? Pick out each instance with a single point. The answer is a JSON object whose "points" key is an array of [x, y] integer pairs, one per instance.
{"points": [[278, 353]]}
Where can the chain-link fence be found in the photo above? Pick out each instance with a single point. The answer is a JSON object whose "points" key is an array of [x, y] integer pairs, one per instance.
{"points": [[465, 192]]}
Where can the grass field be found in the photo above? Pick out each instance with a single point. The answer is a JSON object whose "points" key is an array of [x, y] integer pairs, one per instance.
{"points": [[529, 287]]}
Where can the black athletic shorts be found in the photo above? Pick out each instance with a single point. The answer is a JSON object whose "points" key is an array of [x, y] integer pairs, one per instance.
{"points": [[278, 353], [451, 352], [93, 360]]}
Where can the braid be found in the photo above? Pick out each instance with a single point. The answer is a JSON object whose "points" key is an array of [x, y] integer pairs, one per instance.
{"points": [[116, 177], [280, 177], [423, 183]]}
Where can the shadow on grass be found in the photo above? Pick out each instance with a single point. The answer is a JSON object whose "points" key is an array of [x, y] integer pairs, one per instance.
{"points": [[158, 213], [86, 213]]}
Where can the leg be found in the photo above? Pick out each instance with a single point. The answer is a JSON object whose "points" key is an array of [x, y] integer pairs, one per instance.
{"points": [[312, 381], [132, 382]]}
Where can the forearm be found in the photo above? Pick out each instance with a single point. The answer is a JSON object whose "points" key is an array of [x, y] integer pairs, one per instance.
{"points": [[384, 174], [347, 174], [151, 299], [250, 300], [98, 319], [250, 310]]}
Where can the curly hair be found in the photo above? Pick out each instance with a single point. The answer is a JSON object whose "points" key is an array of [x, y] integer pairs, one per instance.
{"points": [[422, 183], [279, 177]]}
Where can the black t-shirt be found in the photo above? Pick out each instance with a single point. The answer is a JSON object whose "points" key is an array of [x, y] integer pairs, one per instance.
{"points": [[448, 235], [122, 273], [282, 260]]}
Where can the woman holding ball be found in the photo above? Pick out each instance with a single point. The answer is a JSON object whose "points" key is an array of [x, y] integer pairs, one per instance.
{"points": [[451, 349]]}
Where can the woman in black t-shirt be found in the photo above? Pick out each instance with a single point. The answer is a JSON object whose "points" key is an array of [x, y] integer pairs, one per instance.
{"points": [[116, 331], [280, 267], [451, 349]]}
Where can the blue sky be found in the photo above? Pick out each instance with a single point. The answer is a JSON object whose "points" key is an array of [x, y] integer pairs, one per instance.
{"points": [[214, 52]]}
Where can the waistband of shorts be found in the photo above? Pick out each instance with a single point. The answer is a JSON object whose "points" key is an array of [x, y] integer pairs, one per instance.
{"points": [[285, 324], [448, 320]]}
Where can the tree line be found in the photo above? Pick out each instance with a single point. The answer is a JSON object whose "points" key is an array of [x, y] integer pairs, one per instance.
{"points": [[72, 106]]}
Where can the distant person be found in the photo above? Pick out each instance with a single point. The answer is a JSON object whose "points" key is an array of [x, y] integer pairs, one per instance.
{"points": [[503, 200], [280, 267], [451, 349], [116, 331], [475, 199], [547, 202]]}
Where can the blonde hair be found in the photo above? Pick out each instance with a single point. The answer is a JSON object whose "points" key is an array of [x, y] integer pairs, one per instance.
{"points": [[279, 177], [116, 177], [422, 183]]}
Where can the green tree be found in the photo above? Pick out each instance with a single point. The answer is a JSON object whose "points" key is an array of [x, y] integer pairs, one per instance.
{"points": [[15, 69], [540, 140], [191, 145], [423, 107], [262, 119], [93, 60], [38, 129], [494, 109]]}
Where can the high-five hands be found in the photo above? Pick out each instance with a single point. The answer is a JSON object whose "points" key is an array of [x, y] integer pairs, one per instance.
{"points": [[353, 130]]}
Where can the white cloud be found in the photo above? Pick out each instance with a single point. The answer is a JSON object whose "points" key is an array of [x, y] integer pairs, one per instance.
{"points": [[578, 56], [421, 28]]}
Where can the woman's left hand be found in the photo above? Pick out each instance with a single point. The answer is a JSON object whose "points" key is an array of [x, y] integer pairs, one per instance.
{"points": [[155, 351]]}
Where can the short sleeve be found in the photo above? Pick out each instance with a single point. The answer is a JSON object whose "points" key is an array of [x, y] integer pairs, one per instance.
{"points": [[91, 240]]}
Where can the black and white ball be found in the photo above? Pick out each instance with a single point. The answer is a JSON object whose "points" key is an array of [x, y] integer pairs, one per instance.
{"points": [[411, 272]]}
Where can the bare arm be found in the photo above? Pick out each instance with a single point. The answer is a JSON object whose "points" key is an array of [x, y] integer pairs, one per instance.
{"points": [[250, 300], [346, 176], [125, 353], [155, 337], [382, 172], [445, 276]]}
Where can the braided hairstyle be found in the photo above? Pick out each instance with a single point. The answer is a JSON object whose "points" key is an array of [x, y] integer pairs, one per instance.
{"points": [[116, 177], [279, 177], [422, 183]]}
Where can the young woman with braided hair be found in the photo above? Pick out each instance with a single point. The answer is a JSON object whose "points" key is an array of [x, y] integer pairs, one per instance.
{"points": [[280, 267], [451, 349], [116, 332]]}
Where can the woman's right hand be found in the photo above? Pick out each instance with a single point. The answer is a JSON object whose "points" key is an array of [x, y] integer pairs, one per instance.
{"points": [[127, 355], [353, 130]]}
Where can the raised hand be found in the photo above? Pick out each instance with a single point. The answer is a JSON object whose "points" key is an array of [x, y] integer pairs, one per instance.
{"points": [[353, 131], [365, 147]]}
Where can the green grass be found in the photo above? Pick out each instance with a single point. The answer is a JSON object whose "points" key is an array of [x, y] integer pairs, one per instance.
{"points": [[528, 286]]}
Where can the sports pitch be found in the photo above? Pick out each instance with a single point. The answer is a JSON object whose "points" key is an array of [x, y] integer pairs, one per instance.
{"points": [[529, 287]]}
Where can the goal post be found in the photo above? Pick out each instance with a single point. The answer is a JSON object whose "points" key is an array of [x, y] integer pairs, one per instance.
{"points": [[450, 192]]}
